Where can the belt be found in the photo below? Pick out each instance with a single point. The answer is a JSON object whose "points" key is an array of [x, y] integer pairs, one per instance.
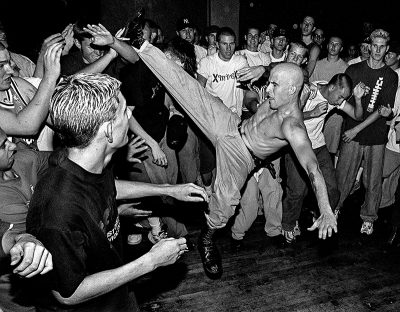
{"points": [[258, 162]]}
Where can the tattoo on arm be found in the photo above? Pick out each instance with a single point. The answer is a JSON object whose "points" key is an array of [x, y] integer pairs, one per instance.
{"points": [[312, 180]]}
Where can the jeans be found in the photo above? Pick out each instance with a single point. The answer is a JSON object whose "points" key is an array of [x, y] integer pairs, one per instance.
{"points": [[349, 161], [297, 185]]}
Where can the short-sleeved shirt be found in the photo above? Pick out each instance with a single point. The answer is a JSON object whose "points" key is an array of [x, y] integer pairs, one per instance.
{"points": [[325, 70], [315, 125], [73, 62], [73, 213], [383, 86], [145, 92], [15, 194], [255, 58], [222, 79]]}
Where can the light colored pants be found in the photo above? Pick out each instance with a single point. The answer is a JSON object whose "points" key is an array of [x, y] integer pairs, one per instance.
{"points": [[350, 157], [271, 192], [217, 122]]}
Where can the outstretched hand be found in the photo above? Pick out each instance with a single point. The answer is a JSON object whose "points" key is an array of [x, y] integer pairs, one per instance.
{"points": [[250, 73], [188, 192], [326, 223], [135, 149]]}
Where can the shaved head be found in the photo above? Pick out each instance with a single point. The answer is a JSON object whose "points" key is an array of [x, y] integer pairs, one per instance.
{"points": [[291, 72], [285, 83]]}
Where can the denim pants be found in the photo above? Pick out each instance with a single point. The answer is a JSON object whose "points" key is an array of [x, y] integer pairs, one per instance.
{"points": [[217, 122], [297, 184], [390, 175], [271, 192], [350, 156]]}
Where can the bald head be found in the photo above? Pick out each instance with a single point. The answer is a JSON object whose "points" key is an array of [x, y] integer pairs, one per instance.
{"points": [[286, 81], [291, 73]]}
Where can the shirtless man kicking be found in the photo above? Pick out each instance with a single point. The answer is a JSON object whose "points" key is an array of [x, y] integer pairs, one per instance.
{"points": [[240, 147]]}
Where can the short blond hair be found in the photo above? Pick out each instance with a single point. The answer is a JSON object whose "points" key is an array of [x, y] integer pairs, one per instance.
{"points": [[80, 104], [380, 33]]}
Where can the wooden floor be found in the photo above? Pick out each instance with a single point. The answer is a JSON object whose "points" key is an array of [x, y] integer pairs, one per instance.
{"points": [[345, 273]]}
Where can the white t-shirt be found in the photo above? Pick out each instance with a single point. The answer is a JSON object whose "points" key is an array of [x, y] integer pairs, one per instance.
{"points": [[315, 125], [255, 58], [355, 60], [200, 53], [391, 144], [276, 60], [221, 79]]}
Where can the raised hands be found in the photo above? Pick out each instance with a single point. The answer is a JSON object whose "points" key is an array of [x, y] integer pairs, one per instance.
{"points": [[51, 60], [101, 36], [68, 35]]}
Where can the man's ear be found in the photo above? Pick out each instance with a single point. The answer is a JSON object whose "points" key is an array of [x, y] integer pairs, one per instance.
{"points": [[77, 44], [292, 89], [109, 132]]}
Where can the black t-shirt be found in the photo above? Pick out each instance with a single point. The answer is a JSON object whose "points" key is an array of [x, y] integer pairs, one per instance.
{"points": [[383, 87], [73, 62], [143, 90], [73, 212]]}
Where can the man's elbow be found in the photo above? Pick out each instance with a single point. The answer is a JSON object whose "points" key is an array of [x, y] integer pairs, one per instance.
{"points": [[72, 300]]}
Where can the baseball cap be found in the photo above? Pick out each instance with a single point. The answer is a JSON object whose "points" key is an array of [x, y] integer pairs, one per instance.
{"points": [[279, 32], [183, 23], [394, 46]]}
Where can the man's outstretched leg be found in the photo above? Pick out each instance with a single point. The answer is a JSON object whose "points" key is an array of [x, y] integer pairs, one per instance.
{"points": [[219, 124]]}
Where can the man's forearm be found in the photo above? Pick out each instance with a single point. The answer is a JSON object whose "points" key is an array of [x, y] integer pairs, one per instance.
{"points": [[358, 110], [125, 51], [368, 121], [137, 129], [33, 116], [132, 189], [319, 187], [101, 283], [97, 66]]}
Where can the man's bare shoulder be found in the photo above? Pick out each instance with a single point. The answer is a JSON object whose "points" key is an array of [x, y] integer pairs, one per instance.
{"points": [[292, 122]]}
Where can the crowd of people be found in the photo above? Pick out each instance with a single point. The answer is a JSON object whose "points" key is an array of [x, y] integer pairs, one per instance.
{"points": [[103, 127]]}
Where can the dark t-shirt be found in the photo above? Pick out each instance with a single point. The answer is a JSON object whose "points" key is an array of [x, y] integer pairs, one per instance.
{"points": [[383, 85], [73, 62], [73, 212], [144, 91]]}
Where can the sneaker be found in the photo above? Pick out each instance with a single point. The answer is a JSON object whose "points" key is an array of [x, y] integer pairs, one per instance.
{"points": [[367, 228], [296, 229], [290, 236], [155, 238], [134, 239]]}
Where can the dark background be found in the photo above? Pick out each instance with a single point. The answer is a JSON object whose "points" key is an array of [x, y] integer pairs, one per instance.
{"points": [[27, 23]]}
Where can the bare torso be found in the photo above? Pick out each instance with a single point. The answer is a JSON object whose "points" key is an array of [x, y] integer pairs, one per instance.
{"points": [[263, 131]]}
